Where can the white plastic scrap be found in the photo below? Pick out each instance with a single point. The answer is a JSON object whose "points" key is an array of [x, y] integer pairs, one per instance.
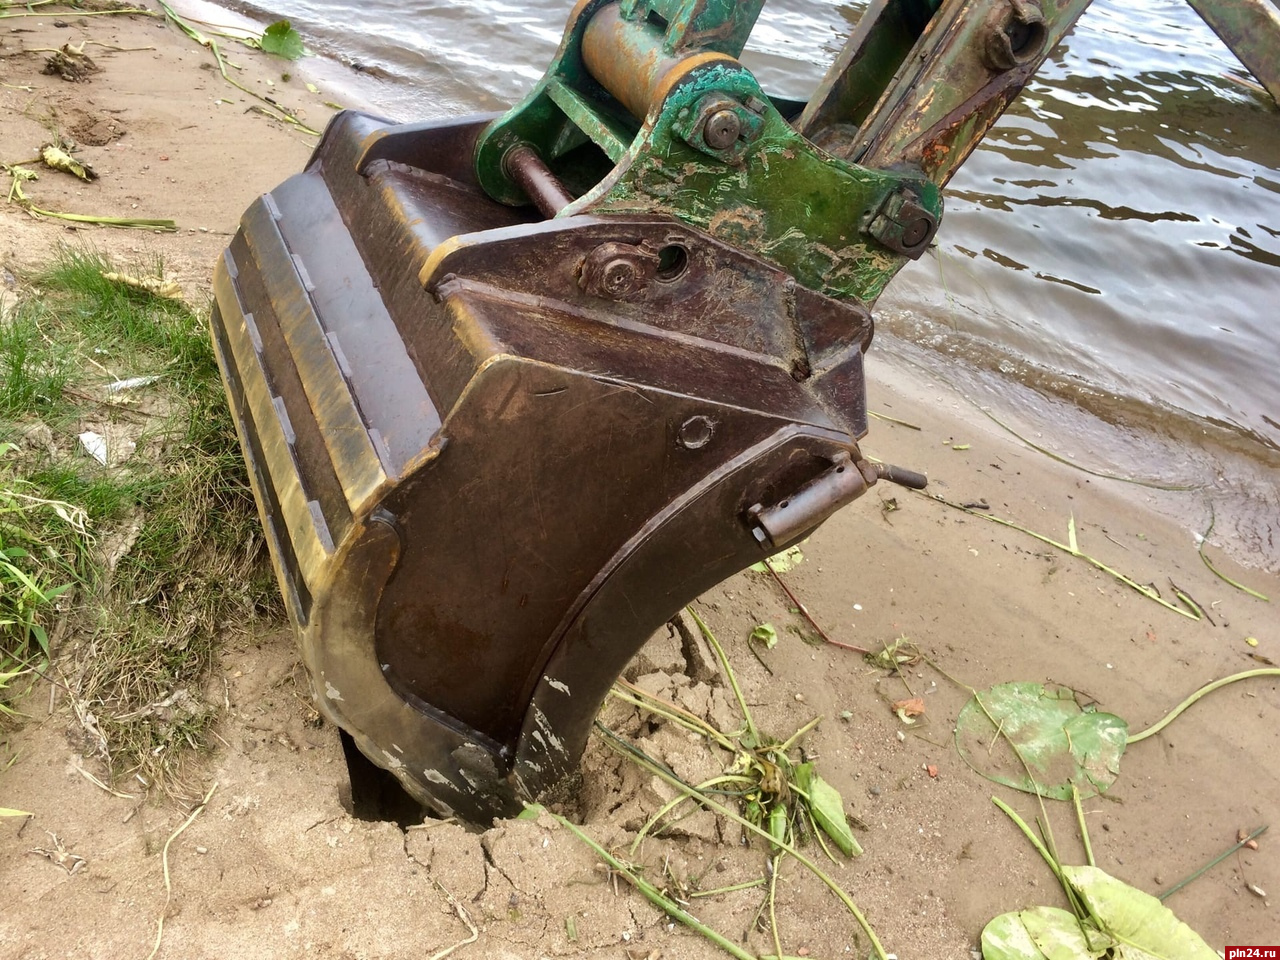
{"points": [[95, 444], [130, 384]]}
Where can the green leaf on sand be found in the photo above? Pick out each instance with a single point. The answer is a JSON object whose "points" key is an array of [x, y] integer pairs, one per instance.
{"points": [[1040, 933], [7, 812], [1121, 922], [827, 807], [767, 634], [282, 40], [1054, 742], [781, 562]]}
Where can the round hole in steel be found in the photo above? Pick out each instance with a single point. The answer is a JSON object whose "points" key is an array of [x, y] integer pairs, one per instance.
{"points": [[1025, 39], [673, 261]]}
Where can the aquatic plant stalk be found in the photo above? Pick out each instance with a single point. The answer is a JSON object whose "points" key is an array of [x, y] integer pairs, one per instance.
{"points": [[1154, 484], [733, 680], [1071, 549], [630, 693], [272, 110], [1218, 573], [650, 892], [1084, 830], [1195, 875], [617, 742], [1204, 691], [888, 419]]}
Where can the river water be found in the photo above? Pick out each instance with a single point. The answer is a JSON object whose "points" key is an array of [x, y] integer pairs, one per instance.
{"points": [[1115, 239]]}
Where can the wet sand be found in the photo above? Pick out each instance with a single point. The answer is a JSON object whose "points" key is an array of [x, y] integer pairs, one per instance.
{"points": [[275, 867]]}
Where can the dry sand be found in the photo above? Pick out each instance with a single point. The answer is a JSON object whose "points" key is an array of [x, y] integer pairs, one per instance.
{"points": [[275, 867]]}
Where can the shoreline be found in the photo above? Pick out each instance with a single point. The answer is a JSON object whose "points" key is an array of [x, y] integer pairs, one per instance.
{"points": [[1123, 437], [1172, 393], [287, 872]]}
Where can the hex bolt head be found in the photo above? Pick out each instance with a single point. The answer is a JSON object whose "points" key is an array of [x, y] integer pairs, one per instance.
{"points": [[722, 130], [903, 225]]}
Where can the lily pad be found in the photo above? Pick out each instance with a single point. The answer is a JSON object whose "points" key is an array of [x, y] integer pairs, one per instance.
{"points": [[282, 40], [1057, 742], [767, 634], [1123, 923], [1042, 933]]}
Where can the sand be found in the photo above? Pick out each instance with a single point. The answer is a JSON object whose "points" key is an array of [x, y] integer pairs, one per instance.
{"points": [[274, 866]]}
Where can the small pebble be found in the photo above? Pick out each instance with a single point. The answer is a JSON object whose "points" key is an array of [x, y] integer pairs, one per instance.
{"points": [[202, 850], [874, 791]]}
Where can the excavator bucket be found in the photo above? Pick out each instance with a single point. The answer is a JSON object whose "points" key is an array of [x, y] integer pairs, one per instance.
{"points": [[512, 390]]}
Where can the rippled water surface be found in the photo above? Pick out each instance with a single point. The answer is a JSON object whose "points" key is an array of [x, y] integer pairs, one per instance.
{"points": [[1119, 230]]}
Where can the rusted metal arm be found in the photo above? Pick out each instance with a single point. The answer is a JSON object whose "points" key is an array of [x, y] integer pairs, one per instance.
{"points": [[944, 88], [1251, 29]]}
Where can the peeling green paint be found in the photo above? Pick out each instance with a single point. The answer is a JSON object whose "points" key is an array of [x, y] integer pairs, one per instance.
{"points": [[787, 201]]}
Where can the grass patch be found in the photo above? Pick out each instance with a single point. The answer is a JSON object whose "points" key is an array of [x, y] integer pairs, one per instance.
{"points": [[169, 557], [27, 566]]}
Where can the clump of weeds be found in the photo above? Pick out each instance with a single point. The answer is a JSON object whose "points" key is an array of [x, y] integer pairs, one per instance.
{"points": [[112, 402]]}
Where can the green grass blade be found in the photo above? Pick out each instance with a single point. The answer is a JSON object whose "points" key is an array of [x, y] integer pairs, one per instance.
{"points": [[650, 892], [618, 743], [1218, 573], [728, 670]]}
